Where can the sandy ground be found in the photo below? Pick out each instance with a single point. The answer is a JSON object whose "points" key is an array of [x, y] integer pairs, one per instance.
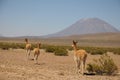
{"points": [[14, 66]]}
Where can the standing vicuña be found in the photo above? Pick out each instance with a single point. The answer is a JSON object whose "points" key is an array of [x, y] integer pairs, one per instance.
{"points": [[28, 48], [36, 52], [79, 57]]}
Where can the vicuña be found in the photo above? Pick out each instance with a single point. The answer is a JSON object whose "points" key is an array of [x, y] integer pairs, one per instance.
{"points": [[80, 57], [37, 53], [28, 48]]}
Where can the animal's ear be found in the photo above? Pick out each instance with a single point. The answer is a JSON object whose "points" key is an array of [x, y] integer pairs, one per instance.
{"points": [[76, 41], [73, 42], [26, 39], [39, 43]]}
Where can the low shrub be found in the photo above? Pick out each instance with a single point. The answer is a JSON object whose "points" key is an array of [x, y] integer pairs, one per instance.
{"points": [[61, 52], [21, 46], [94, 68], [6, 46], [50, 49], [57, 50], [104, 65], [116, 51], [96, 52]]}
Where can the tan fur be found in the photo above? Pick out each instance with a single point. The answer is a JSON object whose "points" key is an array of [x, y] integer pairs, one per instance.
{"points": [[28, 48], [36, 52], [79, 57]]}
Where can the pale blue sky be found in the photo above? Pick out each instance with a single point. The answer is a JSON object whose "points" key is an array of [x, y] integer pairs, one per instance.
{"points": [[42, 17]]}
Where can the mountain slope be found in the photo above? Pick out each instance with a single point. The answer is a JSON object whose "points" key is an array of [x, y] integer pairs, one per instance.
{"points": [[86, 26]]}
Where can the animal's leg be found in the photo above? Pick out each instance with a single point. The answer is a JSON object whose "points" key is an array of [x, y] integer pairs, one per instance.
{"points": [[82, 67], [27, 54], [79, 64], [76, 63], [84, 64], [36, 58]]}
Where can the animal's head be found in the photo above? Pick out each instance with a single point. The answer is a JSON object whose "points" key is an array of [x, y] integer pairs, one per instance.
{"points": [[39, 44], [26, 40], [74, 43]]}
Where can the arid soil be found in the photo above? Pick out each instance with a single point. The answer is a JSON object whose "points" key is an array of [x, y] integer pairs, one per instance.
{"points": [[15, 66]]}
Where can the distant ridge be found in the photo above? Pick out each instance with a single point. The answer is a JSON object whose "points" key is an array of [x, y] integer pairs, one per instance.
{"points": [[86, 26]]}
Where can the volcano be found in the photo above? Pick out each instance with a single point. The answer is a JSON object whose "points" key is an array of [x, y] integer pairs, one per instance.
{"points": [[86, 26]]}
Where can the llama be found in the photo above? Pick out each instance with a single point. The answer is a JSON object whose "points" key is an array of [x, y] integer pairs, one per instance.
{"points": [[80, 57], [36, 52], [28, 48]]}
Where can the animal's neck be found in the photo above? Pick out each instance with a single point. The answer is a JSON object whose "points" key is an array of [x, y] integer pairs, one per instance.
{"points": [[38, 46], [26, 42], [75, 48]]}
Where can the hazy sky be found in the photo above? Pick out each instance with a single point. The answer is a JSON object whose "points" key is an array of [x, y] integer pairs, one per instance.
{"points": [[41, 17]]}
